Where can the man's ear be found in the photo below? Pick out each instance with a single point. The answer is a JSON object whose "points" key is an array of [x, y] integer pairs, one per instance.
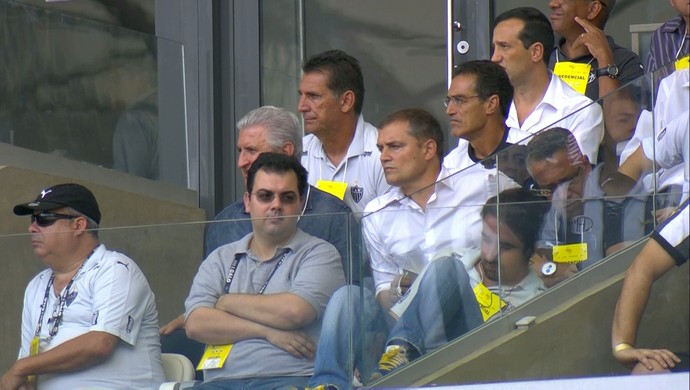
{"points": [[347, 101], [246, 201], [594, 10], [536, 52], [493, 104], [80, 225], [430, 149], [289, 149]]}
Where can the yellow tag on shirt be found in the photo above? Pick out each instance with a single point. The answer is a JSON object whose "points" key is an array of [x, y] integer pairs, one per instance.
{"points": [[214, 356], [489, 303], [574, 74], [572, 253], [682, 63], [33, 351], [335, 188]]}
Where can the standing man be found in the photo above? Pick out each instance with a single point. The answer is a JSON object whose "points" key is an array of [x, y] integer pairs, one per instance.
{"points": [[671, 41], [258, 300], [340, 147], [522, 43], [580, 23], [91, 316]]}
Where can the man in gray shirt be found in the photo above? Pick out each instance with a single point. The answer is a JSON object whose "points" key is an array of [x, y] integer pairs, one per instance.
{"points": [[257, 302]]}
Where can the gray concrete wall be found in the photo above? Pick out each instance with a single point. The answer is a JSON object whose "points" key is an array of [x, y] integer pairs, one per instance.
{"points": [[168, 249]]}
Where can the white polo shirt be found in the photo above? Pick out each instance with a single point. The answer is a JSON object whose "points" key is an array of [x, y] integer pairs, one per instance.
{"points": [[564, 107], [401, 235], [672, 147], [109, 294], [361, 169]]}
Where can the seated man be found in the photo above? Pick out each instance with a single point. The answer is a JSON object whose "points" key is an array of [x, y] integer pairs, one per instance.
{"points": [[581, 211], [405, 228], [273, 129], [90, 319], [257, 301], [446, 304]]}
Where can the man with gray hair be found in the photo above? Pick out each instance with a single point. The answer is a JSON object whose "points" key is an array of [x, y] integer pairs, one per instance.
{"points": [[273, 129]]}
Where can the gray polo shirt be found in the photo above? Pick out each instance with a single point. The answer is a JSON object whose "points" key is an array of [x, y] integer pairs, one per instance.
{"points": [[311, 269]]}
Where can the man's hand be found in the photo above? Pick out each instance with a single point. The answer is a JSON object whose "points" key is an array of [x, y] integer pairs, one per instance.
{"points": [[647, 357], [662, 215], [295, 343], [595, 41], [175, 324], [399, 286], [12, 381]]}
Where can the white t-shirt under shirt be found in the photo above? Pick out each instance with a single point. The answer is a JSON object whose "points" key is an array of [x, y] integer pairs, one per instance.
{"points": [[109, 294]]}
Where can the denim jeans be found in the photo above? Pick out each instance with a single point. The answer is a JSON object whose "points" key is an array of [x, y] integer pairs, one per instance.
{"points": [[444, 308], [352, 320], [272, 383]]}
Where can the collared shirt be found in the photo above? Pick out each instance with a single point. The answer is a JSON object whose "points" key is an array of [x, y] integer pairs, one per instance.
{"points": [[325, 217], [400, 235], [629, 65], [311, 269], [360, 169], [109, 294], [529, 287], [463, 155], [665, 45], [563, 107], [672, 102]]}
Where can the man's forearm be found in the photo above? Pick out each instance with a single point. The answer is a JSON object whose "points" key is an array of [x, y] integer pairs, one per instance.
{"points": [[213, 326], [285, 311], [76, 354]]}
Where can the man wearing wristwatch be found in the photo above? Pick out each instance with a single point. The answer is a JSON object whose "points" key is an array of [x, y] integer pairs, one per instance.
{"points": [[580, 24]]}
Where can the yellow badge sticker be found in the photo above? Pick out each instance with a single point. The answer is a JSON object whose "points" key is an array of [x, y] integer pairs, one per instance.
{"points": [[572, 253], [574, 74], [489, 303], [682, 63], [335, 188], [33, 351], [214, 356]]}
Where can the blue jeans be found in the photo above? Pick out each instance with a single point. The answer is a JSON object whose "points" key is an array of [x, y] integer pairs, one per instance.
{"points": [[352, 320], [272, 383], [444, 308]]}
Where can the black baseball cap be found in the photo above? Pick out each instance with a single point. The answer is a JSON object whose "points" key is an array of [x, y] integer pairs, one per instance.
{"points": [[71, 195]]}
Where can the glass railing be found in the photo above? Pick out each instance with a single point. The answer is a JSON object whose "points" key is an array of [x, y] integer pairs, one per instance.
{"points": [[532, 217], [556, 215], [93, 92]]}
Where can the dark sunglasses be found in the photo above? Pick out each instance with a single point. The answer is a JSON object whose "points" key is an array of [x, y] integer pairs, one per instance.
{"points": [[47, 219], [264, 196]]}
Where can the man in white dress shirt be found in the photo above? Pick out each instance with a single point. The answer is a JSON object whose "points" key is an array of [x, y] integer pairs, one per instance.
{"points": [[522, 44]]}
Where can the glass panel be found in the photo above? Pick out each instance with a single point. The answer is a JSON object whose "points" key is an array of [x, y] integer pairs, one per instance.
{"points": [[89, 91]]}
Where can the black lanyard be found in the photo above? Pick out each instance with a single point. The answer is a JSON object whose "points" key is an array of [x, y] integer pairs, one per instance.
{"points": [[57, 317], [236, 262]]}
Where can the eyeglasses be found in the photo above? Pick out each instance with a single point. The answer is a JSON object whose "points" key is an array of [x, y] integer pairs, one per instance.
{"points": [[47, 219], [265, 196], [458, 100]]}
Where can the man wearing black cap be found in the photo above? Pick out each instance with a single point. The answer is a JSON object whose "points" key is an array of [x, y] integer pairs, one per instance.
{"points": [[90, 319]]}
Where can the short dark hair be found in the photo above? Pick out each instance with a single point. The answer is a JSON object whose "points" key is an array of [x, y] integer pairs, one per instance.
{"points": [[547, 142], [491, 79], [522, 212], [537, 28], [422, 126], [343, 71], [277, 163]]}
